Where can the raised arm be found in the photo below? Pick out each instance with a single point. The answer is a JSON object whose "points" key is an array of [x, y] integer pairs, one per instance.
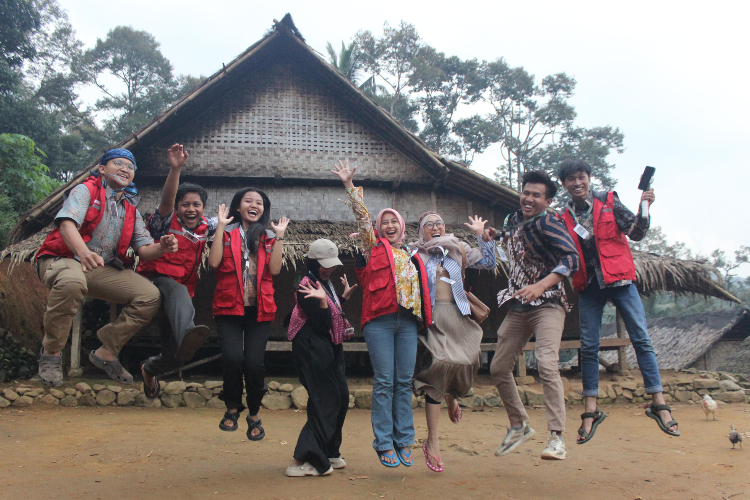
{"points": [[217, 246], [483, 257], [277, 254], [177, 157], [356, 202]]}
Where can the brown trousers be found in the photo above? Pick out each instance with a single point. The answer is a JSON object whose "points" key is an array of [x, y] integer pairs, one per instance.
{"points": [[546, 322], [69, 284]]}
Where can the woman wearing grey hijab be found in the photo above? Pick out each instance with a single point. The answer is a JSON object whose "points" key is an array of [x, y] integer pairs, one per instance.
{"points": [[448, 356]]}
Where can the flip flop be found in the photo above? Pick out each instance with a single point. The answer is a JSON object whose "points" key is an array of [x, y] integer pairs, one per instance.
{"points": [[382, 454], [427, 457], [402, 456], [147, 390], [653, 412], [598, 417]]}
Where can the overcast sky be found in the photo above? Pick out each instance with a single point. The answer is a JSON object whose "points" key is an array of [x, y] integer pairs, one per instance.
{"points": [[671, 75]]}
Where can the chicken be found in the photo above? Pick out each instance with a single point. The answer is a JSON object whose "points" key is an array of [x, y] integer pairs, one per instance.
{"points": [[709, 406], [734, 437]]}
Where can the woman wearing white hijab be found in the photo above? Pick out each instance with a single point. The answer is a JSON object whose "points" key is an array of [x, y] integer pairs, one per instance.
{"points": [[448, 356]]}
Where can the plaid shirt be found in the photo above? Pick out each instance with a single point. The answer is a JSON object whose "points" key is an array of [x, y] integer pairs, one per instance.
{"points": [[535, 248], [633, 226]]}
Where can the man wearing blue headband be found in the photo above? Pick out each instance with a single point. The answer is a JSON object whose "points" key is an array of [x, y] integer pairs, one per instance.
{"points": [[89, 254]]}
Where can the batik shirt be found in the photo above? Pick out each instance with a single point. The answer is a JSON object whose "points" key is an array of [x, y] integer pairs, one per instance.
{"points": [[536, 248], [634, 227], [405, 273], [106, 235]]}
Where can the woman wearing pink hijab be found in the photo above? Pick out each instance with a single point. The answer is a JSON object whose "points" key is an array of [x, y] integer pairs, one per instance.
{"points": [[395, 304]]}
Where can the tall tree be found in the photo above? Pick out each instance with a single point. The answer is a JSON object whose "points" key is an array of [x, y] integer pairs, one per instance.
{"points": [[146, 84]]}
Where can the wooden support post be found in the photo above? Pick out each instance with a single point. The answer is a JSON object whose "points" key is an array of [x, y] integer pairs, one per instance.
{"points": [[75, 345], [622, 362], [521, 365]]}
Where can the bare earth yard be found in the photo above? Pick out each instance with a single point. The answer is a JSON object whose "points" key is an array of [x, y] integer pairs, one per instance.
{"points": [[127, 453]]}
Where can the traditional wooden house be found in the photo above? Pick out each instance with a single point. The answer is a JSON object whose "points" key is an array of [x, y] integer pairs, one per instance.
{"points": [[277, 117]]}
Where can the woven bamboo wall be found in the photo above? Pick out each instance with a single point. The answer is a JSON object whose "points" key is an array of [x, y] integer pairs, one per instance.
{"points": [[280, 122], [323, 203]]}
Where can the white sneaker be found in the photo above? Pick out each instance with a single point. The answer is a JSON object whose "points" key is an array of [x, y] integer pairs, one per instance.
{"points": [[337, 463], [305, 469], [555, 449], [514, 439]]}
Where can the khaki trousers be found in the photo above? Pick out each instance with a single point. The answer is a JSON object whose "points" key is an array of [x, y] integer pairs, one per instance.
{"points": [[69, 284], [546, 322]]}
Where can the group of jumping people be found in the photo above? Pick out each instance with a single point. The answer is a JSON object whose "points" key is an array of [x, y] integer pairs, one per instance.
{"points": [[419, 323]]}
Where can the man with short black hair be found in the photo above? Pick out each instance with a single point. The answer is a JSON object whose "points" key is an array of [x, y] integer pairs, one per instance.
{"points": [[541, 255], [600, 226]]}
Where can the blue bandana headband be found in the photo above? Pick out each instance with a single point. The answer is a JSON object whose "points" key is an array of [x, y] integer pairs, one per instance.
{"points": [[118, 153]]}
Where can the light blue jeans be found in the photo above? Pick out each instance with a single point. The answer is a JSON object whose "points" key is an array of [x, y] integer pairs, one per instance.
{"points": [[590, 308], [392, 344]]}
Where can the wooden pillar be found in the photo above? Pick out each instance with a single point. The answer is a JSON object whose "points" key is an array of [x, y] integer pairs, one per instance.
{"points": [[622, 332], [521, 365], [75, 345]]}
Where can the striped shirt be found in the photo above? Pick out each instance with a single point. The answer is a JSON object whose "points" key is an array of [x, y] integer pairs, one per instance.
{"points": [[536, 248]]}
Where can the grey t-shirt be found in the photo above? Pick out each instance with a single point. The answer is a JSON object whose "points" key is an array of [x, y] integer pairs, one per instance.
{"points": [[106, 235]]}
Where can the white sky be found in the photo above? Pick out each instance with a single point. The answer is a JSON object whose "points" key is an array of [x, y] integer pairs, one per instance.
{"points": [[670, 74]]}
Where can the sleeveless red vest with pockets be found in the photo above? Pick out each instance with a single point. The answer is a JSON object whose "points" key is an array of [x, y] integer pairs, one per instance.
{"points": [[181, 266], [379, 285], [55, 246], [614, 251], [229, 295]]}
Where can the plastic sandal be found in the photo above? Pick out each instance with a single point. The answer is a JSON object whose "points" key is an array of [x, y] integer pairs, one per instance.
{"points": [[402, 456], [598, 417], [382, 454], [229, 416], [255, 424], [457, 415], [113, 369], [149, 391], [653, 412], [427, 457]]}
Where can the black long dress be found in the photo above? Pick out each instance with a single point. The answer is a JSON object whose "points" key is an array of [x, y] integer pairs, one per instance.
{"points": [[320, 364]]}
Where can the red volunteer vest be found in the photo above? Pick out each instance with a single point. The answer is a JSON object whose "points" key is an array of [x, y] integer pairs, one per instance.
{"points": [[181, 266], [379, 286], [229, 296], [614, 251], [55, 246]]}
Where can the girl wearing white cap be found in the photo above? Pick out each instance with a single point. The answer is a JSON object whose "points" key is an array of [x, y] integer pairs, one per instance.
{"points": [[317, 329]]}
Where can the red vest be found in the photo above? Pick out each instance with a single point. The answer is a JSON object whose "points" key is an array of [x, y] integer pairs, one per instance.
{"points": [[379, 286], [54, 244], [181, 266], [229, 296], [614, 251]]}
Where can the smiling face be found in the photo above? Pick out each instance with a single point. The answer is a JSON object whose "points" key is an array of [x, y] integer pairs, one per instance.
{"points": [[577, 184], [324, 273], [534, 199], [390, 227], [251, 208], [434, 227], [118, 173], [190, 210]]}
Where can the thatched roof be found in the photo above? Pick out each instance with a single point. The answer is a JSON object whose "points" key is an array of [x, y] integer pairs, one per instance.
{"points": [[681, 340], [285, 41]]}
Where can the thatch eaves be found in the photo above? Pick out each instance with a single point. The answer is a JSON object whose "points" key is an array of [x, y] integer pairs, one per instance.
{"points": [[285, 39], [680, 341]]}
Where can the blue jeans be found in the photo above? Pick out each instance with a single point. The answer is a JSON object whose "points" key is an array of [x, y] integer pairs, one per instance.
{"points": [[392, 344], [590, 309]]}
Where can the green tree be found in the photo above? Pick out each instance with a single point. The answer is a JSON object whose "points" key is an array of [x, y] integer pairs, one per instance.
{"points": [[145, 81], [656, 242]]}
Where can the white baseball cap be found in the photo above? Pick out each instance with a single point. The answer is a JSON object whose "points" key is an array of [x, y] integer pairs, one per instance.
{"points": [[325, 252]]}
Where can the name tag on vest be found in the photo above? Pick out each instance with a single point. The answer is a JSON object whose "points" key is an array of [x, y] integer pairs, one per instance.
{"points": [[581, 231]]}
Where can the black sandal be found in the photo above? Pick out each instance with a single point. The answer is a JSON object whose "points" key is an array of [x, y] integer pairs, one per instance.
{"points": [[598, 417], [653, 412], [229, 416], [150, 392], [252, 425]]}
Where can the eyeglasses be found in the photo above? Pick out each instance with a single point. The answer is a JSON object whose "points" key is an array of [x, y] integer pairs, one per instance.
{"points": [[121, 163], [438, 224]]}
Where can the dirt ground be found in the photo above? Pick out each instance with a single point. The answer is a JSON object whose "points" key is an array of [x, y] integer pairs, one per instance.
{"points": [[118, 453]]}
